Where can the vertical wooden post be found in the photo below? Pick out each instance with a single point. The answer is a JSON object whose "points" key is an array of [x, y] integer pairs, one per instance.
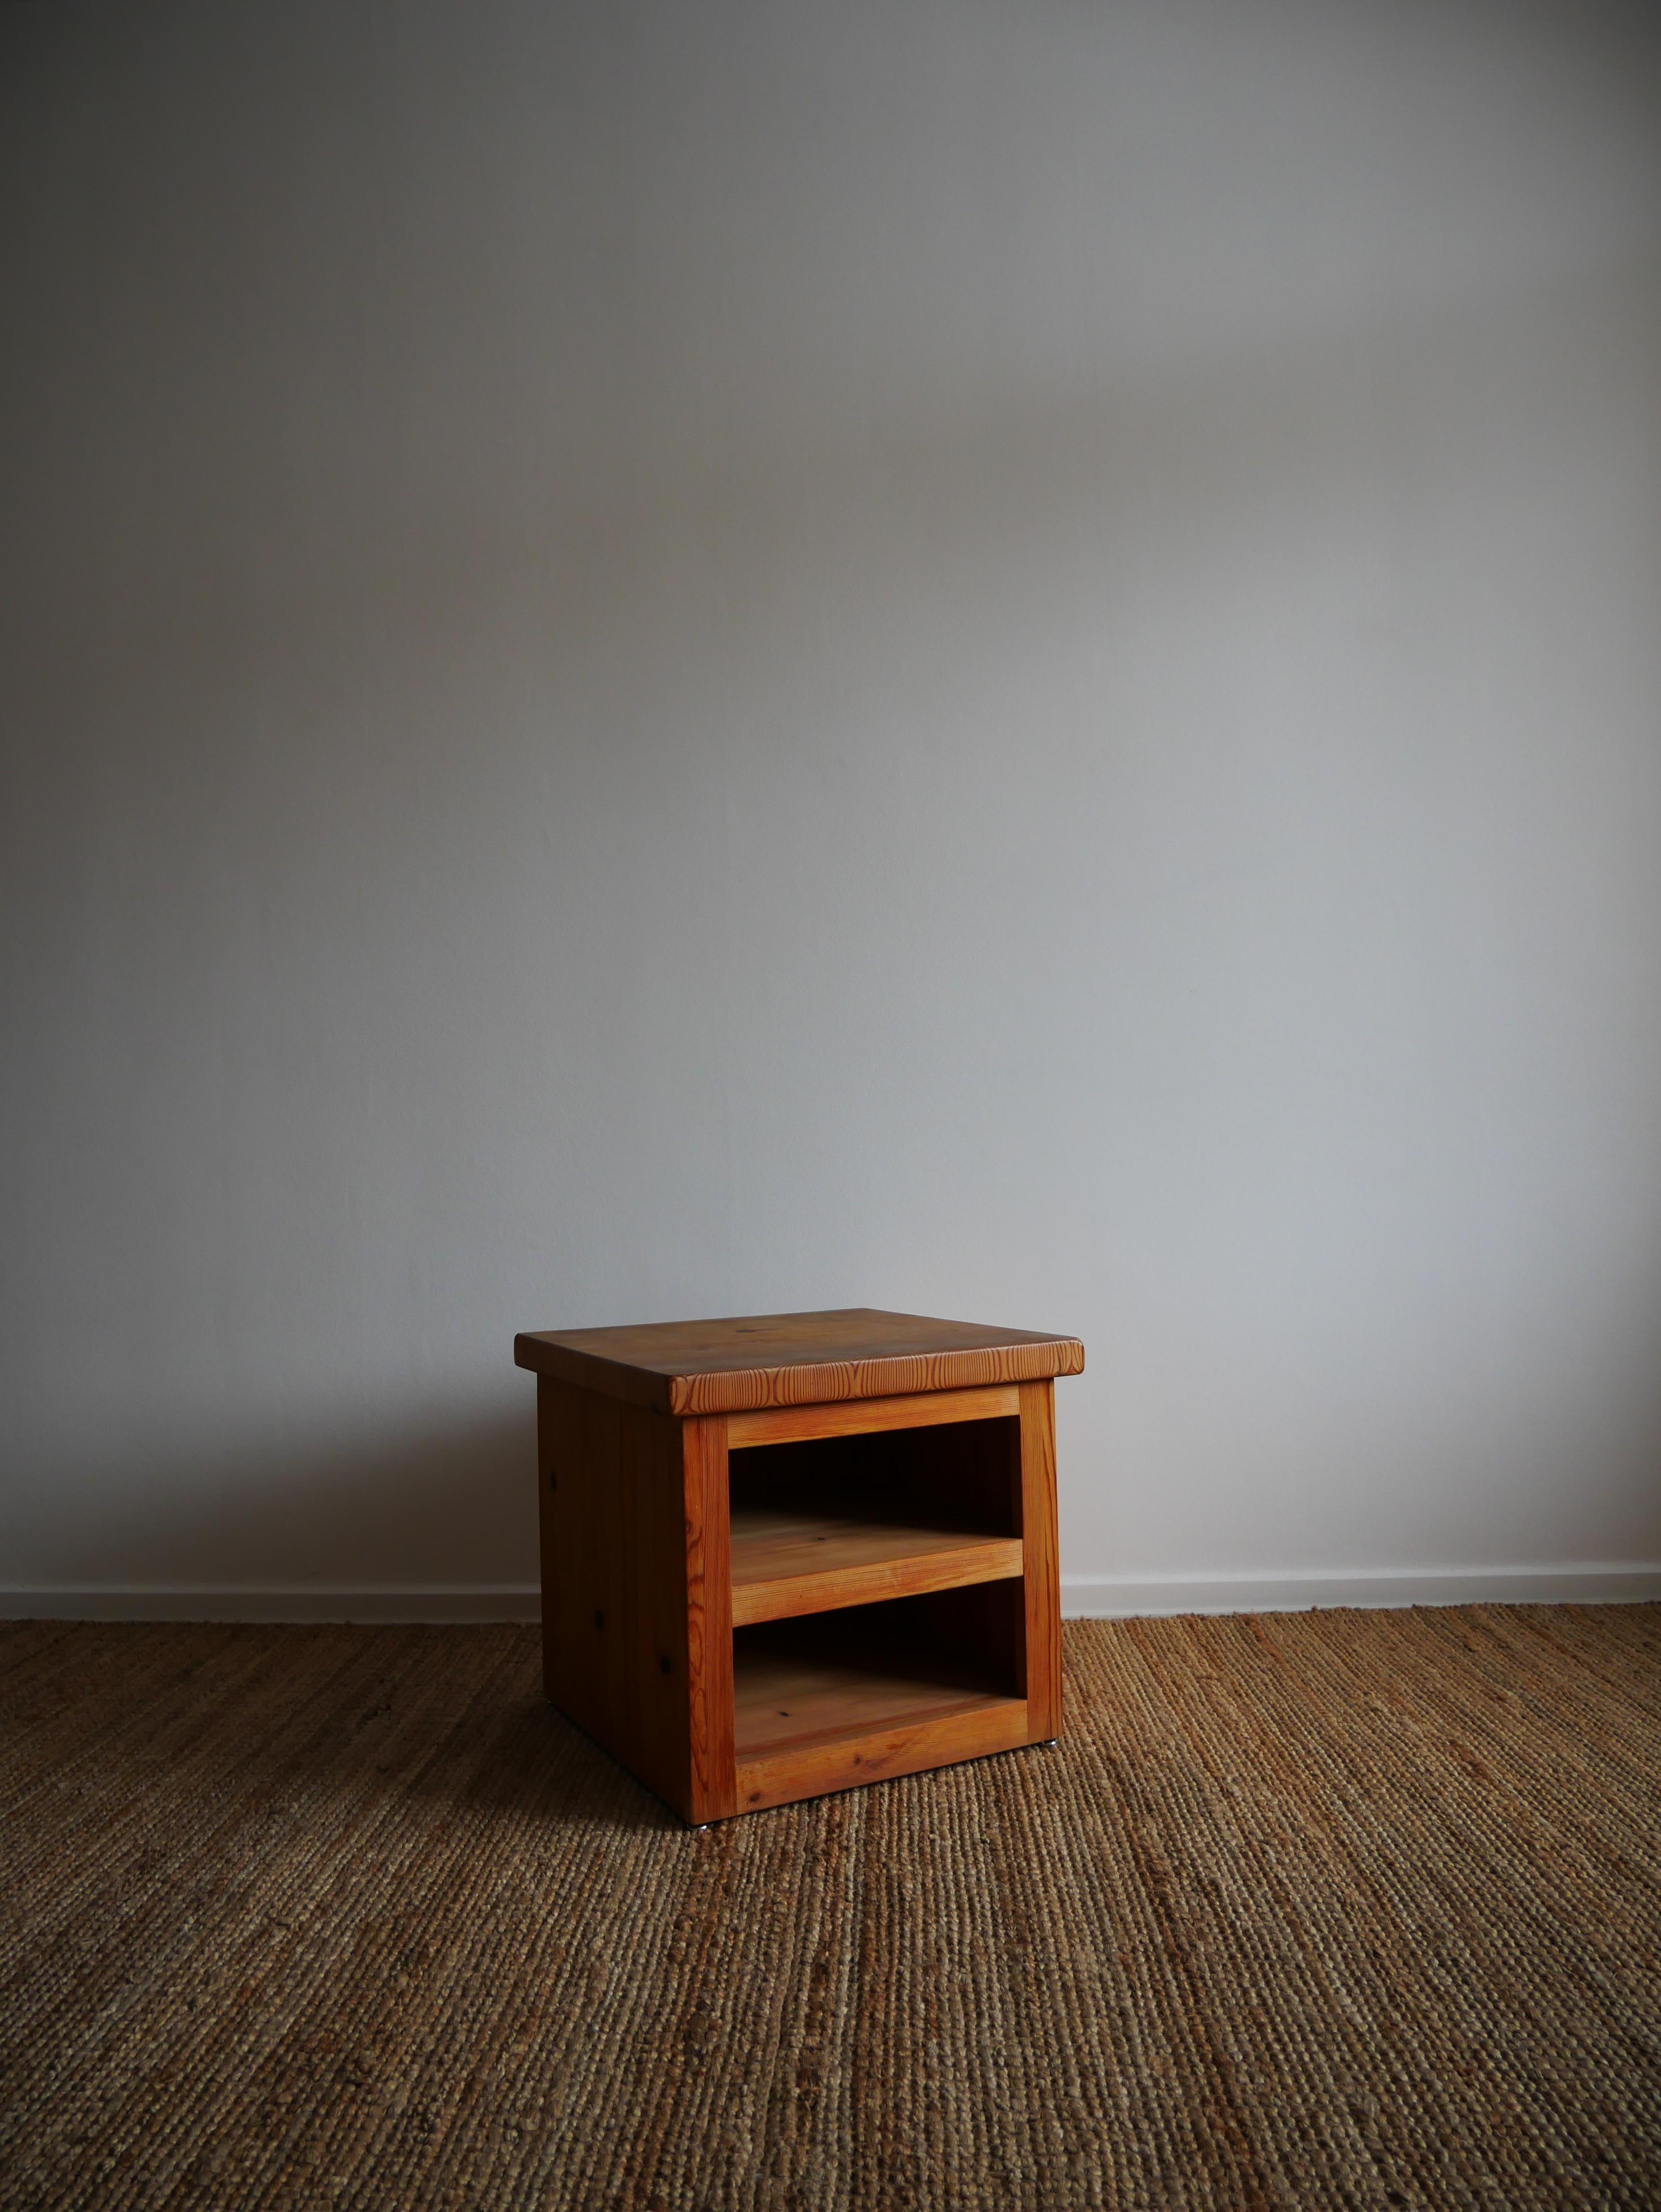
{"points": [[714, 1762], [1041, 1566]]}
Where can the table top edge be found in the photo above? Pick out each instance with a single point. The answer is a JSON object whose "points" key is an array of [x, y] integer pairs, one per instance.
{"points": [[625, 1363]]}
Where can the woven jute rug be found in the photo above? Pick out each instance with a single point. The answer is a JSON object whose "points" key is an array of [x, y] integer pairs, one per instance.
{"points": [[1316, 1910]]}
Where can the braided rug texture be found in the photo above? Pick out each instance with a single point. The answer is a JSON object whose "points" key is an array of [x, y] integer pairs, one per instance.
{"points": [[1318, 1909]]}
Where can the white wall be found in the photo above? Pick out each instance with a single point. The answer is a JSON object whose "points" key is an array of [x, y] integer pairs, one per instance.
{"points": [[1002, 660]]}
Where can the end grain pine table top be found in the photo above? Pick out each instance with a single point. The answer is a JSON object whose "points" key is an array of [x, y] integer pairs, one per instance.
{"points": [[751, 1360]]}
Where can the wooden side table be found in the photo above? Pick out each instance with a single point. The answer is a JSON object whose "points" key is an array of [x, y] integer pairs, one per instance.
{"points": [[793, 1553]]}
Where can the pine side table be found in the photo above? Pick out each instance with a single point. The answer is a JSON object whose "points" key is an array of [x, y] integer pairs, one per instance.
{"points": [[798, 1552]]}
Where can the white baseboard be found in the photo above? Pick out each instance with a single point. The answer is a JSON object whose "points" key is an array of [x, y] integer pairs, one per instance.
{"points": [[1102, 1597], [261, 1602], [1128, 1597]]}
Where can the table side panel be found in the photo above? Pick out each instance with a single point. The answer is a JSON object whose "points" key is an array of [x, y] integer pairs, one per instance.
{"points": [[579, 1451], [616, 1615]]}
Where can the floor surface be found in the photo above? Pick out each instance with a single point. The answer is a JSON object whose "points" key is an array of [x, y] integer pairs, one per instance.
{"points": [[1312, 1910]]}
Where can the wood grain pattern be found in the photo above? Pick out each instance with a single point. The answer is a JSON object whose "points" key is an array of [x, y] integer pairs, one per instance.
{"points": [[859, 1417], [710, 1620], [793, 1360], [615, 1600], [579, 1454], [786, 1564], [813, 1768], [1042, 1671], [798, 1686]]}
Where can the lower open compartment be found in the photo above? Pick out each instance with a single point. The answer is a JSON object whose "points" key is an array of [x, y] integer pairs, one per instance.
{"points": [[830, 1701]]}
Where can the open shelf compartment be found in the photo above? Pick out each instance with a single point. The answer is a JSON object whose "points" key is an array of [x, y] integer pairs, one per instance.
{"points": [[831, 1700], [847, 1521]]}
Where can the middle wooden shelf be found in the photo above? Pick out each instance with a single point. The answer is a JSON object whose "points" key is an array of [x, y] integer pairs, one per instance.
{"points": [[788, 1562]]}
